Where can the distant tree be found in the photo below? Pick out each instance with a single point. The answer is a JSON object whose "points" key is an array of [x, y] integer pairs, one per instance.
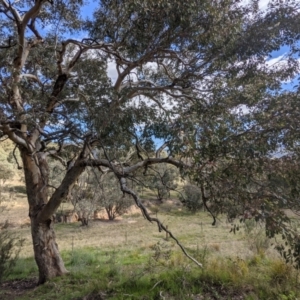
{"points": [[6, 172], [84, 197], [115, 202], [191, 197], [94, 191], [162, 180], [182, 70]]}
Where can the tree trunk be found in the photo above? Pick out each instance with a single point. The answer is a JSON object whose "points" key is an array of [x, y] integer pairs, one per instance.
{"points": [[110, 213], [47, 257], [46, 254]]}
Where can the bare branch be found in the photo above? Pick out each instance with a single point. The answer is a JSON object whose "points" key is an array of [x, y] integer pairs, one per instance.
{"points": [[154, 160], [31, 26], [14, 12], [126, 171], [33, 77], [161, 227], [16, 160], [12, 136], [160, 149]]}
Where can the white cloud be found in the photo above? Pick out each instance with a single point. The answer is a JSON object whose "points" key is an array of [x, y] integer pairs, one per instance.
{"points": [[242, 109], [262, 4], [275, 60], [112, 71]]}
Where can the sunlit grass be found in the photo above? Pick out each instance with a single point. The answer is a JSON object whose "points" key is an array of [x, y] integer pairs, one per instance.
{"points": [[161, 270], [130, 259]]}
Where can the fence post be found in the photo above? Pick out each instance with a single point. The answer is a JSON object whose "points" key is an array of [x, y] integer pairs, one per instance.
{"points": [[167, 235]]}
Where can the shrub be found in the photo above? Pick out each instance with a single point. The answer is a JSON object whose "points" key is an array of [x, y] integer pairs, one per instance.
{"points": [[192, 197], [10, 247], [280, 271], [256, 237]]}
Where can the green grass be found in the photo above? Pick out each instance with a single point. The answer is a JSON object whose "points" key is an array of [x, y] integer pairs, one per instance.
{"points": [[130, 259], [25, 267], [162, 271]]}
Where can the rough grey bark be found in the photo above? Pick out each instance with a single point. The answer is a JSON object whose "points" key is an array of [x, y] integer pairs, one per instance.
{"points": [[46, 253]]}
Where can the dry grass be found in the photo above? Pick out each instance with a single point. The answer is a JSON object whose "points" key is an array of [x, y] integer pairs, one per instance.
{"points": [[194, 231], [16, 210]]}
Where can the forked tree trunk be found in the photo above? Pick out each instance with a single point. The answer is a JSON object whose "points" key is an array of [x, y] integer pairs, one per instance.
{"points": [[110, 212], [47, 256]]}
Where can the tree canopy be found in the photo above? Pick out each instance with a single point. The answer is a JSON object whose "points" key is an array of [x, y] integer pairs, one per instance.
{"points": [[193, 75]]}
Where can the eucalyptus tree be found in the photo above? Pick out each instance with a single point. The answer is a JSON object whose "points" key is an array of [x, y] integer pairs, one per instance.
{"points": [[111, 197], [178, 71], [162, 180]]}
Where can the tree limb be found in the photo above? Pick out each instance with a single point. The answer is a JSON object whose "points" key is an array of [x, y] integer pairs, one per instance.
{"points": [[15, 138], [14, 12], [126, 171], [161, 227]]}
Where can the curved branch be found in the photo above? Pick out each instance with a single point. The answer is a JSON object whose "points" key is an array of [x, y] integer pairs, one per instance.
{"points": [[155, 160], [161, 227], [160, 149], [126, 171], [15, 157], [12, 136], [61, 192], [33, 77]]}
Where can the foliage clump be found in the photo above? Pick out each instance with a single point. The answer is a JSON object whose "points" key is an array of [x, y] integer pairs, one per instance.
{"points": [[10, 247], [192, 197]]}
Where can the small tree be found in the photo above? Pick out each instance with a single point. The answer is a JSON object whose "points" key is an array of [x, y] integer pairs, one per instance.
{"points": [[112, 199], [191, 197], [84, 196], [162, 179], [94, 190]]}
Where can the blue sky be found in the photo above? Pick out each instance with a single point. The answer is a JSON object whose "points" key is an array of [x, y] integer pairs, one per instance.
{"points": [[88, 8]]}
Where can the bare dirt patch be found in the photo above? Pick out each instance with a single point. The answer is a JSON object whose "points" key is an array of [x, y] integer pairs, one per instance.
{"points": [[13, 289]]}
